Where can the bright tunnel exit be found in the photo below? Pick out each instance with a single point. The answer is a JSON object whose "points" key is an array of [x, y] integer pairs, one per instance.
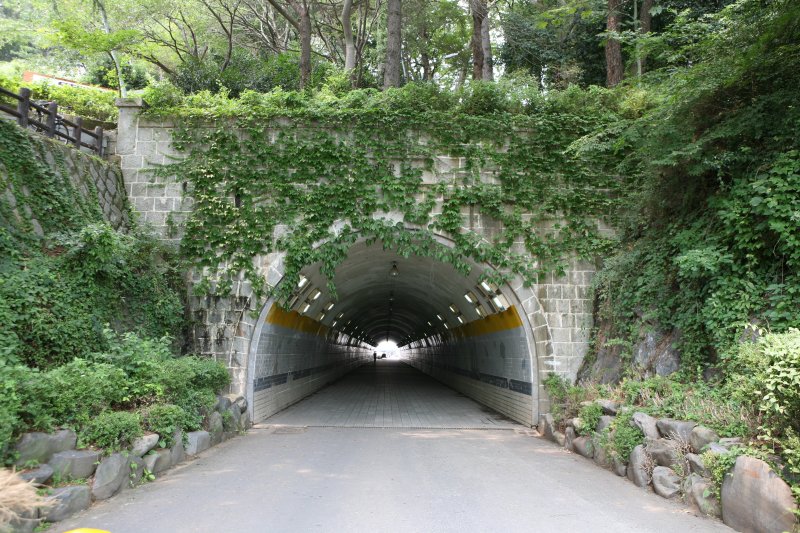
{"points": [[389, 348]]}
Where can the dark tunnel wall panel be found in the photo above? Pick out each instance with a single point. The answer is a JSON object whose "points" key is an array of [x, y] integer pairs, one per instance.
{"points": [[291, 364]]}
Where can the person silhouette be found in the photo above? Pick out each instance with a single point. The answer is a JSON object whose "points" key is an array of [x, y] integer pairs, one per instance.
{"points": [[375, 358]]}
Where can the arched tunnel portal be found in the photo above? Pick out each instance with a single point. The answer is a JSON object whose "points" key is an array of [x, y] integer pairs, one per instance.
{"points": [[469, 334]]}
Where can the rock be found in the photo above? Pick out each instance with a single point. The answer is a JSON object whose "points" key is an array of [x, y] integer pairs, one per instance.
{"points": [[215, 427], [109, 477], [136, 466], [33, 446], [584, 446], [604, 422], [158, 461], [609, 407], [232, 424], [655, 354], [696, 465], [547, 426], [700, 437], [755, 499], [198, 441], [717, 449], [144, 444], [601, 456], [637, 467], [39, 475], [666, 483], [646, 423], [238, 400], [74, 464], [730, 442], [244, 421], [663, 452], [24, 523], [559, 438], [63, 440], [223, 404], [698, 495], [669, 428], [574, 423], [177, 452], [68, 501], [619, 468], [569, 439]]}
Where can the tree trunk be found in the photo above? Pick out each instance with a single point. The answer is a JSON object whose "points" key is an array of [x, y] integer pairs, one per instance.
{"points": [[486, 46], [394, 17], [123, 90], [645, 24], [613, 48], [478, 14], [425, 59], [349, 44], [305, 46]]}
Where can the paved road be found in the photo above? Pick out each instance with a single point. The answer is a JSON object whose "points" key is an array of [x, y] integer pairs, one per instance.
{"points": [[358, 479]]}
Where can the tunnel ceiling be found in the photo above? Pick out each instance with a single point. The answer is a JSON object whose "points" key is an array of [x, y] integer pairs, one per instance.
{"points": [[374, 305]]}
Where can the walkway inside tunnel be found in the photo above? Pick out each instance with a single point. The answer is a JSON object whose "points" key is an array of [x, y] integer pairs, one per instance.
{"points": [[390, 394]]}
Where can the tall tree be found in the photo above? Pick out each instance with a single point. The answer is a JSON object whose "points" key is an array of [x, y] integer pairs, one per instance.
{"points": [[300, 18], [394, 20], [613, 47]]}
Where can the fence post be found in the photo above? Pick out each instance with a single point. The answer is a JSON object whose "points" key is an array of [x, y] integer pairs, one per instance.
{"points": [[52, 113], [23, 106], [99, 139], [77, 132]]}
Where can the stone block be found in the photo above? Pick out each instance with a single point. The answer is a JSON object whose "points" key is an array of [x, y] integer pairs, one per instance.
{"points": [[666, 482], [647, 424], [112, 472], [546, 426], [670, 428], [74, 464], [144, 444], [697, 491], [158, 461], [637, 467], [663, 451], [198, 441], [66, 502], [697, 466], [177, 452], [755, 499], [584, 446], [39, 475], [136, 471], [701, 437]]}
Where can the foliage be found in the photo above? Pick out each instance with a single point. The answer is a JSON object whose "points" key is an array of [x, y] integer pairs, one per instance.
{"points": [[720, 465], [112, 430], [166, 420], [565, 398], [589, 415], [623, 436]]}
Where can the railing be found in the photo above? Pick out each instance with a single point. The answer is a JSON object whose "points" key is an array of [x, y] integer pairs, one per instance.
{"points": [[44, 118]]}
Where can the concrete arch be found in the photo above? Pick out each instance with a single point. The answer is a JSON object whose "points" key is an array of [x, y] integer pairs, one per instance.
{"points": [[275, 333]]}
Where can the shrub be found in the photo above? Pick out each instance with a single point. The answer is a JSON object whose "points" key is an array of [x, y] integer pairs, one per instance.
{"points": [[112, 430], [590, 415], [165, 419], [623, 437], [565, 398]]}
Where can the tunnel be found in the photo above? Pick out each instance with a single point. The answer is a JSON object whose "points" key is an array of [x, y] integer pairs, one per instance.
{"points": [[462, 331]]}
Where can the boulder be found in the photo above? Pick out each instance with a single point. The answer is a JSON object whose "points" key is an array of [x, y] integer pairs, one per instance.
{"points": [[112, 472], [136, 466], [223, 404], [63, 440], [74, 464], [696, 465], [698, 491], [177, 452], [244, 421], [663, 451], [730, 442], [158, 461], [569, 439], [637, 467], [238, 400], [717, 449], [655, 354], [232, 424], [619, 467], [215, 427], [198, 441], [584, 446], [559, 438], [601, 456], [603, 423], [547, 426], [609, 406], [670, 428], [32, 447], [67, 501], [700, 437], [24, 523], [666, 482], [39, 475], [144, 444], [646, 423], [755, 499]]}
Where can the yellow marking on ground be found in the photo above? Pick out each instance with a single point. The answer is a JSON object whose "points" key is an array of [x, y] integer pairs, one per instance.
{"points": [[295, 321], [508, 319]]}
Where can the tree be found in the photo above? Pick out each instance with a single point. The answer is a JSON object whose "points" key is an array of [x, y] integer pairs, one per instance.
{"points": [[394, 20], [613, 46], [300, 18], [482, 68]]}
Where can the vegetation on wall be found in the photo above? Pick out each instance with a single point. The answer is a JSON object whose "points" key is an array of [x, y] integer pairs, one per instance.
{"points": [[68, 281]]}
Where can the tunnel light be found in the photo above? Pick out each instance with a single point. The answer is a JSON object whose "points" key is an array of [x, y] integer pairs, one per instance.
{"points": [[333, 324], [470, 297], [329, 306], [446, 326], [305, 307], [321, 316], [454, 309], [489, 287], [340, 315], [480, 310], [393, 271], [440, 317], [500, 302], [460, 319], [315, 294], [303, 282], [429, 323]]}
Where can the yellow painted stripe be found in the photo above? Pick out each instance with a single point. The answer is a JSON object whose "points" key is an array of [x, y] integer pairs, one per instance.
{"points": [[295, 321], [508, 319]]}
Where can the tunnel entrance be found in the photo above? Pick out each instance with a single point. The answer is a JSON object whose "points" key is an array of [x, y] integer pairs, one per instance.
{"points": [[468, 334]]}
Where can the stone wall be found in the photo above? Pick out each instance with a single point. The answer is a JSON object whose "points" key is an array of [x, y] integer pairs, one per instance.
{"points": [[558, 310]]}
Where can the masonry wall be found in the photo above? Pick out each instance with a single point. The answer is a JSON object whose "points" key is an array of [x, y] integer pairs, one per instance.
{"points": [[558, 309]]}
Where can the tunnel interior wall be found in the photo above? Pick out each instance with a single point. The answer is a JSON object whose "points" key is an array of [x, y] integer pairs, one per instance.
{"points": [[295, 357], [487, 360]]}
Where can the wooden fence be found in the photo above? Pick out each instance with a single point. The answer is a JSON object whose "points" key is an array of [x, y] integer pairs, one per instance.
{"points": [[50, 123]]}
